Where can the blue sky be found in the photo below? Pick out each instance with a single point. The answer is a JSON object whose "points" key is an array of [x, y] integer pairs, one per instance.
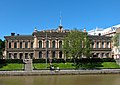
{"points": [[22, 16]]}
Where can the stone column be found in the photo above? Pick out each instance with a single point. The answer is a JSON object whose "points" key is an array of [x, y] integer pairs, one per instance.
{"points": [[50, 43], [36, 54], [35, 41], [12, 44], [18, 44], [105, 44], [29, 44], [58, 43], [100, 44], [23, 44], [58, 54], [95, 44]]}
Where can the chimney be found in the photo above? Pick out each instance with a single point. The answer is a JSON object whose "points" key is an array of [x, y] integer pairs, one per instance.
{"points": [[12, 34], [18, 34]]}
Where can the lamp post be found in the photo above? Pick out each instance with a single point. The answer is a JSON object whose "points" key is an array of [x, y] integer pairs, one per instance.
{"points": [[46, 50]]}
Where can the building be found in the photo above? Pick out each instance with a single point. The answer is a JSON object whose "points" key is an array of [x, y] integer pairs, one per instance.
{"points": [[48, 44]]}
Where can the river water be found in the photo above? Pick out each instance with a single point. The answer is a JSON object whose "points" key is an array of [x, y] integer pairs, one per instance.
{"points": [[113, 79]]}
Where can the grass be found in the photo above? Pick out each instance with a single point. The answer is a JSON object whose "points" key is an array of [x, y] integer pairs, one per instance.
{"points": [[14, 66], [17, 66], [60, 65], [110, 65]]}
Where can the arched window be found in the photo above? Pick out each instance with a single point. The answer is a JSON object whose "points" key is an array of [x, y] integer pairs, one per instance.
{"points": [[21, 55], [107, 55], [92, 44], [107, 46], [40, 44], [53, 54], [47, 54], [15, 44], [26, 44], [47, 44], [97, 45], [20, 44], [31, 44], [40, 54], [53, 44], [15, 55], [10, 56], [9, 44], [26, 55], [60, 54], [60, 44]]}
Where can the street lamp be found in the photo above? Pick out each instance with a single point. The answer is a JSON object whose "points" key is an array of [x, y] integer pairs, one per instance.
{"points": [[46, 50]]}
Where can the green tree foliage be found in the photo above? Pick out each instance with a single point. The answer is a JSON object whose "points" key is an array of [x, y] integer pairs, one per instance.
{"points": [[76, 44], [116, 39], [2, 46]]}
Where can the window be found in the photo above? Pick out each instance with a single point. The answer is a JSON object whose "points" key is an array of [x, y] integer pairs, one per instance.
{"points": [[20, 55], [97, 54], [92, 44], [20, 44], [60, 44], [40, 44], [97, 45], [31, 55], [26, 55], [9, 44], [15, 44], [53, 54], [31, 44], [53, 44], [47, 44], [26, 44], [102, 44], [60, 54], [107, 55], [15, 55], [107, 46], [102, 55], [40, 54], [47, 54], [10, 56]]}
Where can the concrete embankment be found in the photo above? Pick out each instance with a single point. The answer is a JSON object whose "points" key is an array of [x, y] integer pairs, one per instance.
{"points": [[61, 72]]}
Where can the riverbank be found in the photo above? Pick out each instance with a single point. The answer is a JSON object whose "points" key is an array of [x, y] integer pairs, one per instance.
{"points": [[61, 72]]}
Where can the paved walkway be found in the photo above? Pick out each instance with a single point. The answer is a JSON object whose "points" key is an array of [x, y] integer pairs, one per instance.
{"points": [[56, 72]]}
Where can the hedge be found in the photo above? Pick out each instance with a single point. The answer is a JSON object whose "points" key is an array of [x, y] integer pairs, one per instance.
{"points": [[82, 60]]}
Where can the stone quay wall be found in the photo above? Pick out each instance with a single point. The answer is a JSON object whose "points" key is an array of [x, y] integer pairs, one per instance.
{"points": [[59, 72]]}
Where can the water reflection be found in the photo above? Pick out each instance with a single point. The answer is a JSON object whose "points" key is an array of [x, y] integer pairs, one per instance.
{"points": [[61, 80]]}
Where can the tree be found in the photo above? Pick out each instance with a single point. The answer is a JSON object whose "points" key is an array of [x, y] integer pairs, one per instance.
{"points": [[76, 44], [2, 46], [115, 39]]}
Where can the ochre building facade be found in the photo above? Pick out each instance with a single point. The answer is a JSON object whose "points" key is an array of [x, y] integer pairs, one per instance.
{"points": [[48, 44]]}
